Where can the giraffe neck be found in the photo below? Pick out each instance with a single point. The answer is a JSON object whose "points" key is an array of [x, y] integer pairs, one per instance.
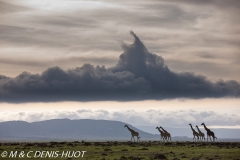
{"points": [[159, 130], [198, 129], [129, 129], [205, 127], [192, 128], [164, 130]]}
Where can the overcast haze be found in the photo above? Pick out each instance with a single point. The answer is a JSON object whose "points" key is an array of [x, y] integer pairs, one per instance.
{"points": [[179, 50]]}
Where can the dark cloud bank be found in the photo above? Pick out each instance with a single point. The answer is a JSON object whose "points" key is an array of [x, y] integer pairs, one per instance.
{"points": [[138, 75]]}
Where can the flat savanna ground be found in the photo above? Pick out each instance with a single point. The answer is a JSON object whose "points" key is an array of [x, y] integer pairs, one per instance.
{"points": [[114, 150]]}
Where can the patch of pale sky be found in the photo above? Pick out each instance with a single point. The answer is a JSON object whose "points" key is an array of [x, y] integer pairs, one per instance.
{"points": [[223, 105]]}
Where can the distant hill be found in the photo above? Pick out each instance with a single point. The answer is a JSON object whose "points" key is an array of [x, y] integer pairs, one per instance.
{"points": [[87, 129], [65, 129]]}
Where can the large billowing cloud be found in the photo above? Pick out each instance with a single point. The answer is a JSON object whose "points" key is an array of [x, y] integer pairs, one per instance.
{"points": [[191, 35], [138, 75]]}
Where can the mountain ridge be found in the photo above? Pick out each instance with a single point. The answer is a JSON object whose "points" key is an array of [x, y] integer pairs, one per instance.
{"points": [[91, 129], [66, 129]]}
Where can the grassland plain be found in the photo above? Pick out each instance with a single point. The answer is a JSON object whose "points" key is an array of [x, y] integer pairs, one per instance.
{"points": [[115, 150]]}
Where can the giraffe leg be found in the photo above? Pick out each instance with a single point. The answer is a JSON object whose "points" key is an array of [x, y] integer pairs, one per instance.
{"points": [[213, 138], [132, 138]]}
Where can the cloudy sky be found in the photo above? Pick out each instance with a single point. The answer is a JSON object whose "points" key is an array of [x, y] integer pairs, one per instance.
{"points": [[76, 59]]}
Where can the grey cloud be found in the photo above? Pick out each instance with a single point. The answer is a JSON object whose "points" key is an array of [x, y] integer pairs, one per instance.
{"points": [[27, 36], [6, 7], [43, 39], [66, 20], [170, 16], [206, 55], [138, 75], [149, 15], [220, 3], [74, 60], [210, 66]]}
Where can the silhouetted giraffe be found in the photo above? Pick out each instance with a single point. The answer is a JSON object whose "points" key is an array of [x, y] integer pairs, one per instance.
{"points": [[201, 134], [133, 133], [162, 134], [194, 133], [209, 133], [168, 134]]}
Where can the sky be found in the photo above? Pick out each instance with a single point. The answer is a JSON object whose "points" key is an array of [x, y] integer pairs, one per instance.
{"points": [[155, 62]]}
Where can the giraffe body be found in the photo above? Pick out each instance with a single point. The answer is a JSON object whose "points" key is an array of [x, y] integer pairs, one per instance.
{"points": [[209, 133], [195, 134], [201, 134], [167, 133], [133, 134], [163, 135]]}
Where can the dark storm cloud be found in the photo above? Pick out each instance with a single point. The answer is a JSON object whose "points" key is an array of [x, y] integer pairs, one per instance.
{"points": [[138, 75]]}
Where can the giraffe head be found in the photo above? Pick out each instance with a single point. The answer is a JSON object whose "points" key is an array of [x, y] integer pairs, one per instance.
{"points": [[190, 124], [125, 125], [157, 127], [202, 124]]}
